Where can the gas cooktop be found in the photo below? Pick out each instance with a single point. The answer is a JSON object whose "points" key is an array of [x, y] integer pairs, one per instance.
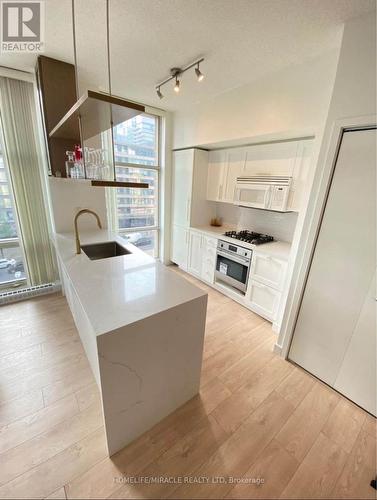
{"points": [[249, 237]]}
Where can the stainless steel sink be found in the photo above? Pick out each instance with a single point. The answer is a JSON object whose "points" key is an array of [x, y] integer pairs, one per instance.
{"points": [[105, 250]]}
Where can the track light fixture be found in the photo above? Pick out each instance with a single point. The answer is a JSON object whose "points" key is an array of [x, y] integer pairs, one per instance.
{"points": [[177, 85], [175, 74], [199, 74]]}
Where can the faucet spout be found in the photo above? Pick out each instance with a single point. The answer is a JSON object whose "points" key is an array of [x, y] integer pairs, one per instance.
{"points": [[84, 211]]}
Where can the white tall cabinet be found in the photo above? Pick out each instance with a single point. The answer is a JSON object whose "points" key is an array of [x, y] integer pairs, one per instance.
{"points": [[189, 203], [335, 333]]}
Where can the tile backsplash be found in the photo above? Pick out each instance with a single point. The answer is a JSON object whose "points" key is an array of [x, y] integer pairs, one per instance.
{"points": [[279, 225]]}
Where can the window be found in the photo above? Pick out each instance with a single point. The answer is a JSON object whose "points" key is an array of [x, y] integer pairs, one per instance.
{"points": [[137, 160], [12, 269]]}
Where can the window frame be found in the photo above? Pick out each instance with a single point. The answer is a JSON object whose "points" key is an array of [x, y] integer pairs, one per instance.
{"points": [[157, 169]]}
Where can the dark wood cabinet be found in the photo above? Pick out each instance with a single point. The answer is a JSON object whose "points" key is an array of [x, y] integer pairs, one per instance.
{"points": [[57, 94]]}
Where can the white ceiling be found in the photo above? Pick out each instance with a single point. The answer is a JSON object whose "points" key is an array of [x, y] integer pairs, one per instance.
{"points": [[241, 41]]}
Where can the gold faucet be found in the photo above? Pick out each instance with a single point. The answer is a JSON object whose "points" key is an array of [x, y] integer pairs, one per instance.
{"points": [[84, 211]]}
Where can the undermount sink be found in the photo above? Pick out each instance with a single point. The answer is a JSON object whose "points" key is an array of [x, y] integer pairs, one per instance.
{"points": [[105, 250]]}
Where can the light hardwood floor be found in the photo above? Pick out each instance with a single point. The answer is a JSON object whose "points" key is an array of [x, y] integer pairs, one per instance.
{"points": [[257, 417]]}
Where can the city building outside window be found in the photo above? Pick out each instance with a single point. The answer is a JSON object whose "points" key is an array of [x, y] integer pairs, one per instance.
{"points": [[12, 268], [136, 149]]}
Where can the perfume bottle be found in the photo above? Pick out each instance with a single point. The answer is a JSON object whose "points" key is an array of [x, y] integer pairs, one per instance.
{"points": [[70, 163], [79, 164]]}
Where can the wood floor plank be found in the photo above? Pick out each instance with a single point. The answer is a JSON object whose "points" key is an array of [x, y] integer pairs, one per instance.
{"points": [[318, 472], [28, 454], [25, 356], [28, 427], [234, 410], [87, 395], [57, 495], [20, 407], [344, 424], [49, 476], [243, 370], [180, 460], [360, 469], [370, 426], [303, 427], [240, 450], [268, 475], [296, 386], [45, 377]]}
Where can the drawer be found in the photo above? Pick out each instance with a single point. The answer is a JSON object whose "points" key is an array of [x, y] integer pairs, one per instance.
{"points": [[268, 270], [263, 299]]}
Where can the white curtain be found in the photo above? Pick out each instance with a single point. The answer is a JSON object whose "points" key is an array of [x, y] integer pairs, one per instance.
{"points": [[22, 148]]}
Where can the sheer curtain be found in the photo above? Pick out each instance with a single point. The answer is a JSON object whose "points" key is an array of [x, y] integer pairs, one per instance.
{"points": [[19, 124]]}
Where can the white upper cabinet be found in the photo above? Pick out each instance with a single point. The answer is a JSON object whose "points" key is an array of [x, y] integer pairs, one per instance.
{"points": [[217, 162], [235, 166], [291, 158], [182, 186], [271, 159]]}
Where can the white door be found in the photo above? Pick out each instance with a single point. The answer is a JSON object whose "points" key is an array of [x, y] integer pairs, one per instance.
{"points": [[216, 175], [182, 186], [357, 375], [195, 253], [339, 279], [179, 246]]}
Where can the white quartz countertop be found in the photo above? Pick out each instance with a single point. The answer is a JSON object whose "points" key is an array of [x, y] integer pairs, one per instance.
{"points": [[118, 291], [278, 249]]}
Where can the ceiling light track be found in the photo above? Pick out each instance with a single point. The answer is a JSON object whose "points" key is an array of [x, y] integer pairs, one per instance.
{"points": [[175, 74]]}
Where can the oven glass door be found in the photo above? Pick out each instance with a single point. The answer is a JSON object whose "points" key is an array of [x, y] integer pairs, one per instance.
{"points": [[236, 271], [253, 195]]}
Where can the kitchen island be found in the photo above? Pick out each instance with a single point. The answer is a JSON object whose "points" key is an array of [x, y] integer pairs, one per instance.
{"points": [[142, 327]]}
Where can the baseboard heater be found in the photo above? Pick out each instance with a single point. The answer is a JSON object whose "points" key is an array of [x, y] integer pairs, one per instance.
{"points": [[28, 293]]}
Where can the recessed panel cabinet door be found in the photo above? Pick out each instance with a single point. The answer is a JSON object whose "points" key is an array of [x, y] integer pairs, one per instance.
{"points": [[181, 186], [235, 166], [216, 175], [339, 279], [195, 253], [179, 246]]}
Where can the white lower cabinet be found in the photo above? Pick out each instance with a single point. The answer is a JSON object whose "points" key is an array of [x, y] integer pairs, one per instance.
{"points": [[268, 270], [209, 247], [195, 253], [179, 246], [263, 299], [202, 256]]}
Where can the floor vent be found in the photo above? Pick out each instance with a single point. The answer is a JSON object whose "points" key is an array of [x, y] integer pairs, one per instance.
{"points": [[28, 293]]}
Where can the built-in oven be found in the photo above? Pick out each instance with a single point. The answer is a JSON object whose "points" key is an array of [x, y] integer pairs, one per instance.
{"points": [[233, 265]]}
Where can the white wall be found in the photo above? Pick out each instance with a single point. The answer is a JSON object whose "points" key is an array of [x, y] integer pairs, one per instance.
{"points": [[290, 103], [279, 225], [69, 196], [354, 95]]}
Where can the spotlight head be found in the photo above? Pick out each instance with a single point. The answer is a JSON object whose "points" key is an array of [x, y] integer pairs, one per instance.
{"points": [[177, 85], [159, 93], [199, 74]]}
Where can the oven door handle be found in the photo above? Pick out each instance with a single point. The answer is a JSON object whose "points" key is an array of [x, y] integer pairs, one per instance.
{"points": [[236, 258]]}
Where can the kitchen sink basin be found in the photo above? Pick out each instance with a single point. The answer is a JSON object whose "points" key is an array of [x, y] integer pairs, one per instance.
{"points": [[105, 250]]}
